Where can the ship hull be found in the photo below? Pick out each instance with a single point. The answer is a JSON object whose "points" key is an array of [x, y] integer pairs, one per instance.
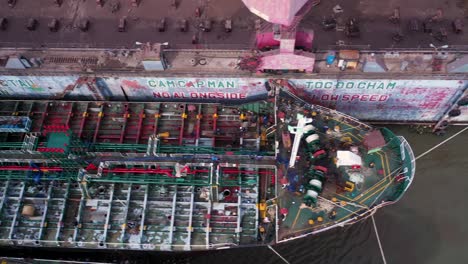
{"points": [[185, 176]]}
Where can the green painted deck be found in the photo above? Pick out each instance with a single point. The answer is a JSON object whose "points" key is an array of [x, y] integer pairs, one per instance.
{"points": [[378, 172]]}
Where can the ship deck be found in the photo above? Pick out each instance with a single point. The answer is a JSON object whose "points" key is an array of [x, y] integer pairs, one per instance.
{"points": [[376, 30], [181, 176], [373, 181], [348, 205], [136, 201]]}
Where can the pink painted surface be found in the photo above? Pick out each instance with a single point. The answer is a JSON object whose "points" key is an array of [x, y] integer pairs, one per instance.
{"points": [[132, 84], [274, 60], [266, 40], [304, 39], [287, 45], [275, 11]]}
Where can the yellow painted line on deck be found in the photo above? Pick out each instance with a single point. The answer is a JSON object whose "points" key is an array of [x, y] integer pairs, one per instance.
{"points": [[384, 163], [375, 185], [384, 180], [366, 191], [358, 136], [383, 187], [346, 216], [295, 219], [349, 126], [380, 189], [344, 123], [347, 198], [386, 169], [317, 226], [308, 228], [388, 164], [352, 135], [324, 224]]}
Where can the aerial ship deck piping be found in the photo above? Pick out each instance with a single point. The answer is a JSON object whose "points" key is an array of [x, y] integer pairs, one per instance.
{"points": [[189, 176]]}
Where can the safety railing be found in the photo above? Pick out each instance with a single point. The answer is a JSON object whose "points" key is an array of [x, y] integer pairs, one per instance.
{"points": [[409, 160]]}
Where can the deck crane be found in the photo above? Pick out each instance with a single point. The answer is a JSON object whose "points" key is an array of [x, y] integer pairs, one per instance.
{"points": [[298, 131]]}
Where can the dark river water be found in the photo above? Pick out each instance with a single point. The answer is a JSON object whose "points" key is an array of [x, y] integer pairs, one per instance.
{"points": [[428, 225]]}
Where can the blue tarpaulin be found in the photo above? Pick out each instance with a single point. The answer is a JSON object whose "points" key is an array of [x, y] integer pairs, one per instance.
{"points": [[330, 58]]}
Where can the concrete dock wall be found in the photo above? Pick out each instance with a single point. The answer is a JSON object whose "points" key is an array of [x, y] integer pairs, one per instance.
{"points": [[367, 99], [396, 100]]}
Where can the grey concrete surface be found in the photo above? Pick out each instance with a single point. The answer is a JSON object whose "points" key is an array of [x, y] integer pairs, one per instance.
{"points": [[376, 30]]}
